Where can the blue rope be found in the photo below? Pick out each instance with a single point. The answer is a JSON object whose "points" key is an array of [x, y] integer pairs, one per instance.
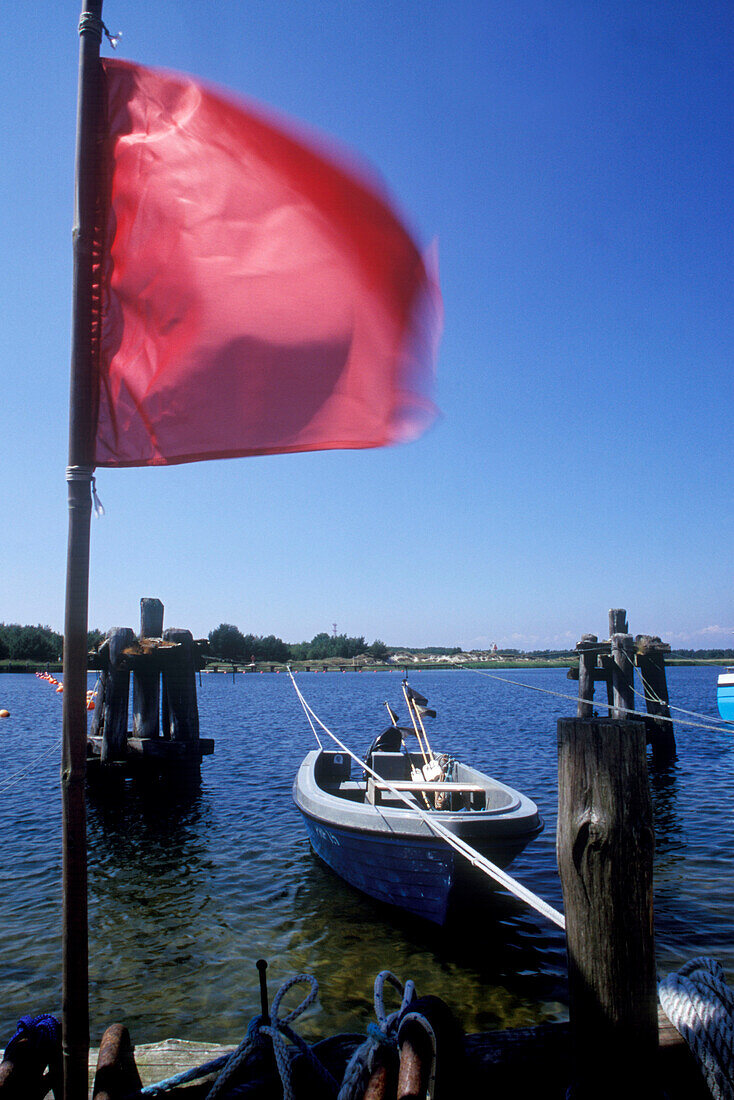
{"points": [[44, 1031], [160, 1087]]}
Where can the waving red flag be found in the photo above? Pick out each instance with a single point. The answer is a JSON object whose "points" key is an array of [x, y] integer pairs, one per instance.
{"points": [[256, 295]]}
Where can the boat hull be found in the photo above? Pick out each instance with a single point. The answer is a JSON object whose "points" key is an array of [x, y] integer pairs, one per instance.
{"points": [[725, 695], [414, 875], [392, 855]]}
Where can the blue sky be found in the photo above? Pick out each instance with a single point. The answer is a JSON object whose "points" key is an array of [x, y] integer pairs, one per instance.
{"points": [[574, 163]]}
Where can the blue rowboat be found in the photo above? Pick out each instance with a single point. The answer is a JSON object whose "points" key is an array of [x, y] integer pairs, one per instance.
{"points": [[363, 830], [725, 695]]}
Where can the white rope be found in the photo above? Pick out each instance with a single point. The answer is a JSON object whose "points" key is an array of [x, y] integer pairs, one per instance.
{"points": [[360, 1065], [666, 703], [700, 1004], [471, 854], [17, 776], [596, 702], [279, 1030]]}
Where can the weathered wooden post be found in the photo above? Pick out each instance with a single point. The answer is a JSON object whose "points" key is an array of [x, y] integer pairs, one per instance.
{"points": [[179, 684], [605, 856], [587, 649], [623, 675], [622, 665], [651, 663], [116, 696], [147, 675]]}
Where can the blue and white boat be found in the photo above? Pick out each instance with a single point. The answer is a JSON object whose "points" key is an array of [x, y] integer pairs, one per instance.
{"points": [[725, 695], [374, 830]]}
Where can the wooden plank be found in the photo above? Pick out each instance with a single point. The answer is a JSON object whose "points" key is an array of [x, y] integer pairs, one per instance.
{"points": [[430, 788]]}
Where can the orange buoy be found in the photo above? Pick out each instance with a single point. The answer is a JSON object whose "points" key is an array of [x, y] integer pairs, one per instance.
{"points": [[4, 713]]}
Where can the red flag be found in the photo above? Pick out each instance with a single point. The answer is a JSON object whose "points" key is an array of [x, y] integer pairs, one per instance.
{"points": [[257, 296]]}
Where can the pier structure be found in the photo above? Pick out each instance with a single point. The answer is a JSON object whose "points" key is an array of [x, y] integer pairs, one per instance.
{"points": [[613, 662], [165, 713]]}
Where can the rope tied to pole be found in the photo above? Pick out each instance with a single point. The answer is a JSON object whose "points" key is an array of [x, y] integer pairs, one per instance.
{"points": [[278, 1029], [86, 473], [700, 1004], [90, 23]]}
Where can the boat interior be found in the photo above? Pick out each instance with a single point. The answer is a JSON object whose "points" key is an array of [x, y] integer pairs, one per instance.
{"points": [[456, 787]]}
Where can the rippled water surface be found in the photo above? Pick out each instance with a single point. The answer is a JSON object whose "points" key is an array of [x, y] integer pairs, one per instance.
{"points": [[187, 889]]}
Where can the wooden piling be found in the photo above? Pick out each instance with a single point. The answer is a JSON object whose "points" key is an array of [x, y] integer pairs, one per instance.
{"points": [[623, 675], [605, 853], [651, 663], [117, 696], [588, 649], [147, 677], [151, 617], [179, 688]]}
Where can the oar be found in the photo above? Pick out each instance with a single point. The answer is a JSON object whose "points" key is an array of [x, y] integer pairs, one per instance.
{"points": [[411, 712]]}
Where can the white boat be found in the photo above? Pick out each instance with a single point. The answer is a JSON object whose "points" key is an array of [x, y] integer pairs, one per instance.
{"points": [[374, 830]]}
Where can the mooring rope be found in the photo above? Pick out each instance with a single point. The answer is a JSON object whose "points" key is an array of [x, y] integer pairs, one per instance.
{"points": [[471, 854], [278, 1030], [700, 1004], [16, 777], [596, 702], [650, 691]]}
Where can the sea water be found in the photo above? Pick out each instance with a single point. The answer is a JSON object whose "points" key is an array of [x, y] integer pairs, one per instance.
{"points": [[187, 889]]}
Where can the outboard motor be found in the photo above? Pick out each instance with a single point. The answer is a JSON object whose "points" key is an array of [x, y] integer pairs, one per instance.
{"points": [[389, 741]]}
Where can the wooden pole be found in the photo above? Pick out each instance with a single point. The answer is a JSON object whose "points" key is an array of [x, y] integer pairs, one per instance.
{"points": [[147, 678], [179, 689], [151, 617], [588, 648], [75, 1007], [117, 696], [605, 856], [623, 675], [651, 663]]}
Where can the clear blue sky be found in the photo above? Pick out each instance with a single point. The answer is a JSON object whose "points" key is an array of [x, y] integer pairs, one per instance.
{"points": [[574, 163]]}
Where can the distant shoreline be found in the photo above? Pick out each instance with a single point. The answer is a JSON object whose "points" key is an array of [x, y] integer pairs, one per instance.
{"points": [[336, 664]]}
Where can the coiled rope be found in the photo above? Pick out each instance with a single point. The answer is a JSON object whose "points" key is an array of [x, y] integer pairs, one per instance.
{"points": [[700, 1004], [471, 854], [383, 1033]]}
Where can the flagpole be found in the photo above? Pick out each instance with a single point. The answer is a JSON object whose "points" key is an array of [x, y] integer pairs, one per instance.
{"points": [[75, 971]]}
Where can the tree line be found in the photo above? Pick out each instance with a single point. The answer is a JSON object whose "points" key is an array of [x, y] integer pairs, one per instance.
{"points": [[230, 644], [36, 643]]}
